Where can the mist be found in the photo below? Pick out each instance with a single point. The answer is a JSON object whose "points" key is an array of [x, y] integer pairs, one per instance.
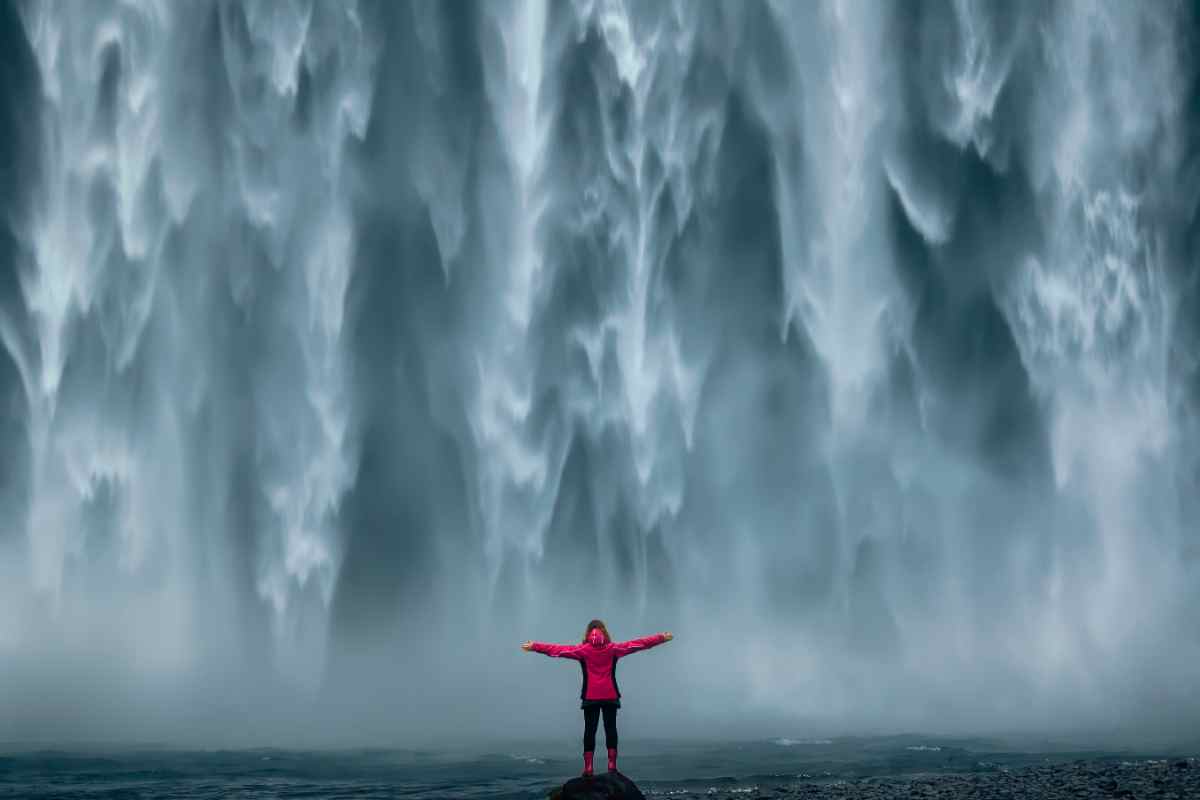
{"points": [[348, 345]]}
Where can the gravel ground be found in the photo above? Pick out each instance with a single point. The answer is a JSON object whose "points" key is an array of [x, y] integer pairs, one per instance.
{"points": [[1173, 778]]}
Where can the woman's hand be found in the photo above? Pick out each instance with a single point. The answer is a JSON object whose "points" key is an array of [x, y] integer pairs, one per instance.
{"points": [[527, 646], [668, 635]]}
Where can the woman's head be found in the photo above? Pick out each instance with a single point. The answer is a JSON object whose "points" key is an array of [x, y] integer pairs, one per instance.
{"points": [[596, 625]]}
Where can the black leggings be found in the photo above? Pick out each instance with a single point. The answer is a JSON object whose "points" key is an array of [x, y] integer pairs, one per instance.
{"points": [[591, 718]]}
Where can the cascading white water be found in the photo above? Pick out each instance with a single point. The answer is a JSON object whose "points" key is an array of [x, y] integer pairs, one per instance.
{"points": [[351, 344]]}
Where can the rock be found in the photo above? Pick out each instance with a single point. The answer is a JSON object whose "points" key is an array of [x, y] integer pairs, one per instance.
{"points": [[602, 786]]}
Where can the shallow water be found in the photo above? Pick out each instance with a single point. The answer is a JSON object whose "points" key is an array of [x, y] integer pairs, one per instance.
{"points": [[661, 769]]}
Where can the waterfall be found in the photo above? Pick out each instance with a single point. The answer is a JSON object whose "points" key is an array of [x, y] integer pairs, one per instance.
{"points": [[347, 345]]}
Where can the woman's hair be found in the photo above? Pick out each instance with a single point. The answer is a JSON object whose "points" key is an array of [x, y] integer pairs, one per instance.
{"points": [[596, 623]]}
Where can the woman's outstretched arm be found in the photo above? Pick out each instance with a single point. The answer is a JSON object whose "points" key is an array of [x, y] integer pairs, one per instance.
{"points": [[553, 650], [644, 643]]}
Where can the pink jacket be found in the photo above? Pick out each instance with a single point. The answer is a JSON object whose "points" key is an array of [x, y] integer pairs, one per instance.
{"points": [[599, 663]]}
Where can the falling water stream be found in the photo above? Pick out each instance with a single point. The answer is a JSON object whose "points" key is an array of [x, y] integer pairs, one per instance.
{"points": [[348, 344]]}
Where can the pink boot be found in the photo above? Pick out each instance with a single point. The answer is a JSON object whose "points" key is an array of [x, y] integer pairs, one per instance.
{"points": [[612, 759], [587, 763]]}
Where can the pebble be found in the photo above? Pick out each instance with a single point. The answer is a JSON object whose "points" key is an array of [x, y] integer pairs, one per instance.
{"points": [[1177, 779]]}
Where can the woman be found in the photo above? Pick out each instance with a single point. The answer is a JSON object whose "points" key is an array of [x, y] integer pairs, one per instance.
{"points": [[597, 656]]}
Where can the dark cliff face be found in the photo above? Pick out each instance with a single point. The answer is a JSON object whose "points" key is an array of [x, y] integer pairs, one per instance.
{"points": [[341, 341]]}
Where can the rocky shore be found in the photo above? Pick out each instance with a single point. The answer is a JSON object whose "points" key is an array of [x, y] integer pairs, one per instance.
{"points": [[1174, 779]]}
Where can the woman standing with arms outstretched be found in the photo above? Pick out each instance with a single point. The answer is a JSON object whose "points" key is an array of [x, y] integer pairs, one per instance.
{"points": [[597, 656]]}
